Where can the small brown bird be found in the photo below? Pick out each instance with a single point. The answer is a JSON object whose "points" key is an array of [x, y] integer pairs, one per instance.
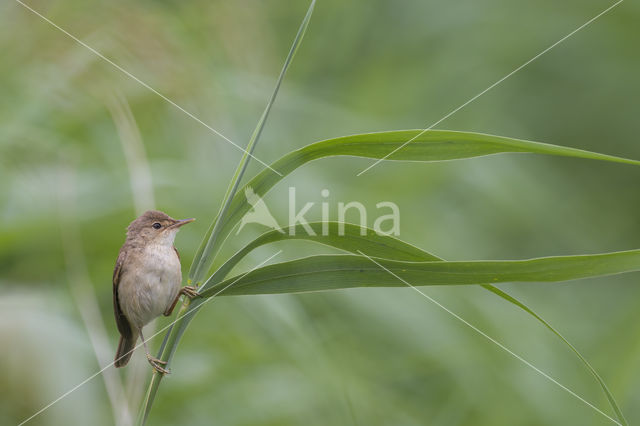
{"points": [[146, 280]]}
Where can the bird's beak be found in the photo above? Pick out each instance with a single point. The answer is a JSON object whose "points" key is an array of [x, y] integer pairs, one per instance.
{"points": [[179, 223]]}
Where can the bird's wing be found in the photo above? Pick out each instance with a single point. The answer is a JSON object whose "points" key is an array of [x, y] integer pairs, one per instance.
{"points": [[121, 320], [177, 254]]}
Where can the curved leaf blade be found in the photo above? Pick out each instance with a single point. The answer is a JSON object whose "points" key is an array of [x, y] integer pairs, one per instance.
{"points": [[333, 272], [343, 236], [434, 145], [603, 385], [211, 242], [348, 237], [208, 248]]}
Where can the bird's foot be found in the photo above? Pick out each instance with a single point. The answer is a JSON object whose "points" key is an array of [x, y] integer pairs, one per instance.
{"points": [[157, 365], [190, 291]]}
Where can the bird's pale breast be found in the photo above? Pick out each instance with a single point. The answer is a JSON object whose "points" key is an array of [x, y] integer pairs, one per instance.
{"points": [[149, 284]]}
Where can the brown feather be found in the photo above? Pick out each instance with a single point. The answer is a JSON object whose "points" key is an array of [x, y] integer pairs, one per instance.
{"points": [[121, 320]]}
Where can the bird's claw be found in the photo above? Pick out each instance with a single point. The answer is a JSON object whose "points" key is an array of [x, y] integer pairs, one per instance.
{"points": [[157, 365], [190, 291]]}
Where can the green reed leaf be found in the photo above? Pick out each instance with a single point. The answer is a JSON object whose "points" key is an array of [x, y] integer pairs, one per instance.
{"points": [[206, 253], [434, 145], [348, 237], [208, 248]]}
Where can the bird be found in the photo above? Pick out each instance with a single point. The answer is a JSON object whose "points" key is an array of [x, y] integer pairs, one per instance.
{"points": [[146, 281]]}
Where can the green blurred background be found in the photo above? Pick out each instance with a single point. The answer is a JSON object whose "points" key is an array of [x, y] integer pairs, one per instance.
{"points": [[84, 148]]}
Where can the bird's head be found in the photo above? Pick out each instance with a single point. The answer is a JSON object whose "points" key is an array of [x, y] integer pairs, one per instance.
{"points": [[155, 227]]}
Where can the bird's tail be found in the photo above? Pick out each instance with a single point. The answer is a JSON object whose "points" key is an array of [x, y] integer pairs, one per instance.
{"points": [[125, 350]]}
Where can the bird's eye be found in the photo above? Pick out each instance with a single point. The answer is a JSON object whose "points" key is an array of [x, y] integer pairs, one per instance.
{"points": [[157, 225]]}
